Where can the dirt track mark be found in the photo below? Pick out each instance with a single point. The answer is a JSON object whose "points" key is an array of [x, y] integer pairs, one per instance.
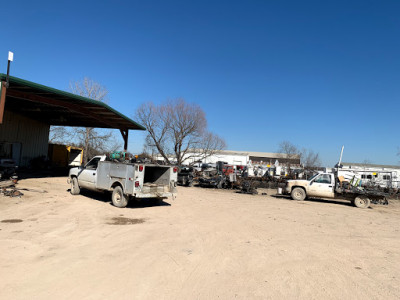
{"points": [[125, 221], [11, 221]]}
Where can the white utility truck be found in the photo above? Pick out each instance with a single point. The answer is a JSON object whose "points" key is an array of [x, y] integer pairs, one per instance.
{"points": [[326, 185], [125, 180]]}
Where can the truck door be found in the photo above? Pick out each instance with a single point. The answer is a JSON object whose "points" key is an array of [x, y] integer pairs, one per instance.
{"points": [[322, 186], [87, 177]]}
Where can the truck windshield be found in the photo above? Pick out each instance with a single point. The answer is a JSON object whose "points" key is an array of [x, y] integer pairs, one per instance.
{"points": [[312, 177]]}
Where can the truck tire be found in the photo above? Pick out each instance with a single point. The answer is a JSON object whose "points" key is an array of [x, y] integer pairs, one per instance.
{"points": [[361, 202], [220, 184], [119, 199], [75, 189], [298, 194]]}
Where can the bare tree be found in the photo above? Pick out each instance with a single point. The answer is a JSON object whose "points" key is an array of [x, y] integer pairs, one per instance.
{"points": [[90, 89], [309, 159], [290, 150], [210, 144], [178, 129], [93, 141], [156, 121], [366, 162], [59, 135], [398, 151]]}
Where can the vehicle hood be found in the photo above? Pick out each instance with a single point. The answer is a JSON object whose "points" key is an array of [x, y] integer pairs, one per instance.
{"points": [[301, 182], [74, 171]]}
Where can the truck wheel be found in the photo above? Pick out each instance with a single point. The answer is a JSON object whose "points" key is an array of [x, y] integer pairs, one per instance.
{"points": [[119, 199], [298, 194], [75, 190], [219, 185], [362, 202]]}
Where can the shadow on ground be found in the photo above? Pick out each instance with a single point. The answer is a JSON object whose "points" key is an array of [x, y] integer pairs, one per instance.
{"points": [[133, 203], [339, 202], [28, 174]]}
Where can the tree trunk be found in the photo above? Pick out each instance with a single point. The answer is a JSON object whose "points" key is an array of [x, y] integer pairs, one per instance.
{"points": [[86, 150]]}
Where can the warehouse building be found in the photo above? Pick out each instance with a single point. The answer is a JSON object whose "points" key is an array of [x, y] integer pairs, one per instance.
{"points": [[28, 109], [244, 158]]}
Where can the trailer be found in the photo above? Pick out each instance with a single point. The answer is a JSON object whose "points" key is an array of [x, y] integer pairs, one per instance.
{"points": [[65, 156]]}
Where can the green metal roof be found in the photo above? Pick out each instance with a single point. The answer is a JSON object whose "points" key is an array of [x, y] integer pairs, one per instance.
{"points": [[61, 108]]}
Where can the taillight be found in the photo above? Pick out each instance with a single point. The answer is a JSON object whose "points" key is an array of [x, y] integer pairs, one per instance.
{"points": [[140, 168], [136, 183], [175, 169]]}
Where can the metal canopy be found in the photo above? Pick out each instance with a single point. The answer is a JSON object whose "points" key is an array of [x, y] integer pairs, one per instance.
{"points": [[56, 107]]}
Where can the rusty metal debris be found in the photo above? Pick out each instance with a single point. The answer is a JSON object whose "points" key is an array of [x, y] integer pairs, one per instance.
{"points": [[185, 175], [223, 176], [249, 185], [7, 187], [11, 192]]}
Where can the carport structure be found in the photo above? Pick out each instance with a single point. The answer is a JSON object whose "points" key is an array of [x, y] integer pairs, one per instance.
{"points": [[56, 107]]}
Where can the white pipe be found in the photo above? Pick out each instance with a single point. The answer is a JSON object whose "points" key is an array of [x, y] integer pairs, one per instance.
{"points": [[341, 155]]}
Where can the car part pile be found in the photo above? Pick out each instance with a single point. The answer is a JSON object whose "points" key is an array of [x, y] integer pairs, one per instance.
{"points": [[249, 185], [7, 187], [185, 176], [222, 176]]}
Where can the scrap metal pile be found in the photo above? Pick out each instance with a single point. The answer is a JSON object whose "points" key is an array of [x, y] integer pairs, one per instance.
{"points": [[185, 175], [351, 183], [237, 177], [7, 187], [249, 185], [222, 176], [8, 178], [389, 192]]}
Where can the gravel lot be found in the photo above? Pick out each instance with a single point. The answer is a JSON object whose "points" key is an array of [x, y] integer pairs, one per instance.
{"points": [[205, 244]]}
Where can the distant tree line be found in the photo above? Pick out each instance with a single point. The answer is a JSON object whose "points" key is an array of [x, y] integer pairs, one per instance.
{"points": [[308, 158]]}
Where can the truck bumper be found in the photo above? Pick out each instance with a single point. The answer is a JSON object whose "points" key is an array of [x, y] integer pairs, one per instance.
{"points": [[155, 195], [283, 191]]}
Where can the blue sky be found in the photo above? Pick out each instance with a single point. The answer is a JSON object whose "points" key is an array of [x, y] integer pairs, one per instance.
{"points": [[320, 74]]}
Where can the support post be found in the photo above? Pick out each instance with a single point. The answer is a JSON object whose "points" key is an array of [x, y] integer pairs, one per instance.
{"points": [[8, 74], [125, 133], [3, 90]]}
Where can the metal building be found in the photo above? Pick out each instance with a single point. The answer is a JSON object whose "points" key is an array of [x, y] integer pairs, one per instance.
{"points": [[246, 157], [28, 109]]}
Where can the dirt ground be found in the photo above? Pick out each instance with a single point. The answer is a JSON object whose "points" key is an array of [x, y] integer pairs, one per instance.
{"points": [[205, 244]]}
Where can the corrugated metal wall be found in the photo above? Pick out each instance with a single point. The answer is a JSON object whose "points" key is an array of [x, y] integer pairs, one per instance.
{"points": [[32, 134]]}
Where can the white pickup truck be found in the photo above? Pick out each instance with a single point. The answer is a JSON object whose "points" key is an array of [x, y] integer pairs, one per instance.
{"points": [[325, 185], [125, 180]]}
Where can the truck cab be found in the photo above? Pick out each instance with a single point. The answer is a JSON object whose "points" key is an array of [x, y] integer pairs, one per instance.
{"points": [[320, 185], [86, 175]]}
